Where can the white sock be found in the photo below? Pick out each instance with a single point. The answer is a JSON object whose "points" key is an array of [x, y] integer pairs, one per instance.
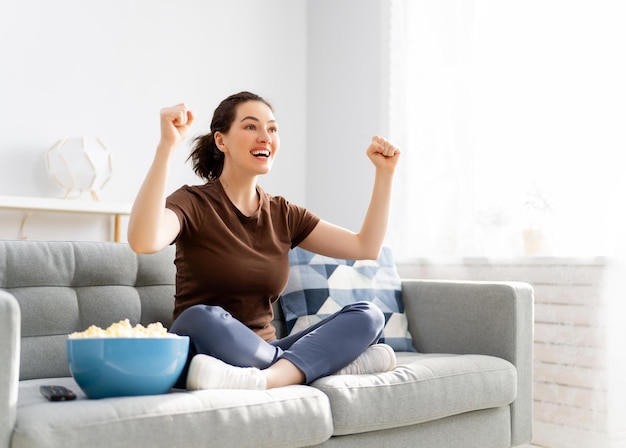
{"points": [[207, 372], [376, 359]]}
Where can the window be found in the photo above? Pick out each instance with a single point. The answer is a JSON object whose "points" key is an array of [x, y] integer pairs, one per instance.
{"points": [[512, 121]]}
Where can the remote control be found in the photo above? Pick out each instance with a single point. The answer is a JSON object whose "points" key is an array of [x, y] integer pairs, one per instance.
{"points": [[57, 393]]}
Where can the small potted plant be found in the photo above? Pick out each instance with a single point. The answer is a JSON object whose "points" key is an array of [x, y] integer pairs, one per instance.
{"points": [[537, 209]]}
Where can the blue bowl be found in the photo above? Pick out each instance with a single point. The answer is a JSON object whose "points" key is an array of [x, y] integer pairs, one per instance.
{"points": [[116, 367]]}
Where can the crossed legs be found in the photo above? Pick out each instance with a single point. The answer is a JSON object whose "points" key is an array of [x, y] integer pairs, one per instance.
{"points": [[317, 351]]}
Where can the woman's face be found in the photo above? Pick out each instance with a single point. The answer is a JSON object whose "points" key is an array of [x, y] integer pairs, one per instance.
{"points": [[252, 142]]}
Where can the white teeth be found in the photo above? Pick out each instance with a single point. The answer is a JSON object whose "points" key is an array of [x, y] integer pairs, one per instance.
{"points": [[261, 153]]}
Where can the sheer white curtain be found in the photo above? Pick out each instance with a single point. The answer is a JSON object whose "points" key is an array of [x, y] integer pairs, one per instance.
{"points": [[512, 120]]}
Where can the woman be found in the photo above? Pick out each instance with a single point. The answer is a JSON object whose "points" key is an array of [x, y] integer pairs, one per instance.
{"points": [[232, 242]]}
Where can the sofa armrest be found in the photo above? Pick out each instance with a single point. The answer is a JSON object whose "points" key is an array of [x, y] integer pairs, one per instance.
{"points": [[488, 318], [10, 364]]}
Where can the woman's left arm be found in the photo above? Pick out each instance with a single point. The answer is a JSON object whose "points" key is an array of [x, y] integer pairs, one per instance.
{"points": [[334, 241]]}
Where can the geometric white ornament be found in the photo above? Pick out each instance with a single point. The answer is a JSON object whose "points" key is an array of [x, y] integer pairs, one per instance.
{"points": [[80, 164]]}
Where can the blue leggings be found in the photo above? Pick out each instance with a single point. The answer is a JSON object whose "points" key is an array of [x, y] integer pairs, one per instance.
{"points": [[317, 351]]}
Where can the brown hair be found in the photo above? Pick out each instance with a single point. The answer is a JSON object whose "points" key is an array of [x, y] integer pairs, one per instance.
{"points": [[207, 159]]}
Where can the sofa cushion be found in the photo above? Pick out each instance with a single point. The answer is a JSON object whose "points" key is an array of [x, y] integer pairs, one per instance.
{"points": [[422, 388], [284, 417], [62, 287], [319, 286]]}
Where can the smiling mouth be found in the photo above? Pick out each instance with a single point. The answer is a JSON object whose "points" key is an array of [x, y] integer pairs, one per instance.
{"points": [[261, 153]]}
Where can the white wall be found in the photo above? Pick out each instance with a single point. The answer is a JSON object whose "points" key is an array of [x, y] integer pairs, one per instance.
{"points": [[75, 68], [347, 57], [105, 69]]}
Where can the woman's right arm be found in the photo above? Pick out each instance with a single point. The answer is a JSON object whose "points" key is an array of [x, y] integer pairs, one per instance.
{"points": [[152, 226]]}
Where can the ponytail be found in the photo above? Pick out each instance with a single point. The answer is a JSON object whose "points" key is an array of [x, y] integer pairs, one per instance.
{"points": [[207, 159]]}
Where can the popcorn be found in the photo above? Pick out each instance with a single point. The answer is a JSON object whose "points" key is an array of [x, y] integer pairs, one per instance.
{"points": [[123, 329]]}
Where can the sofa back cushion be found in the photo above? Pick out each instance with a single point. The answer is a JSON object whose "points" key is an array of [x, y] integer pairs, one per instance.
{"points": [[64, 287]]}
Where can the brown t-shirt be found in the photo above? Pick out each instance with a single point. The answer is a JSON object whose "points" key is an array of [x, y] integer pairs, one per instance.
{"points": [[235, 261]]}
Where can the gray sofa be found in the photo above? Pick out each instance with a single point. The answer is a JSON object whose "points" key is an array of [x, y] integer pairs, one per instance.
{"points": [[469, 384]]}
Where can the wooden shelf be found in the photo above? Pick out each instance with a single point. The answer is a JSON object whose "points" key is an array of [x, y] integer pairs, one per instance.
{"points": [[28, 205]]}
